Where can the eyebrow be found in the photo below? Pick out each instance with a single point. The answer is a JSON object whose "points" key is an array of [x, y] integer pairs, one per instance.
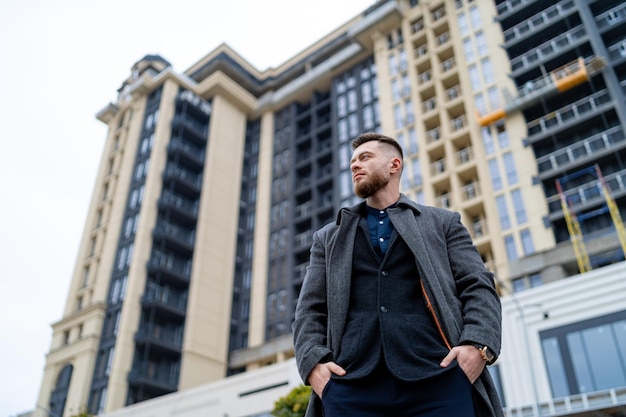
{"points": [[360, 155]]}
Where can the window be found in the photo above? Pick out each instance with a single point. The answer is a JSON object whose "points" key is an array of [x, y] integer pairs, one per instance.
{"points": [[392, 63], [66, 337], [474, 77], [366, 92], [518, 204], [586, 356], [395, 89], [463, 24], [487, 68], [342, 108], [527, 242], [397, 117], [511, 251], [481, 44], [86, 276], [368, 117], [475, 18], [494, 172], [413, 146], [494, 97], [503, 213], [503, 136], [468, 49], [509, 167], [481, 106]]}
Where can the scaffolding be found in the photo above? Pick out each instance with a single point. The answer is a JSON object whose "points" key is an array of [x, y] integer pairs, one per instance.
{"points": [[572, 196], [557, 81]]}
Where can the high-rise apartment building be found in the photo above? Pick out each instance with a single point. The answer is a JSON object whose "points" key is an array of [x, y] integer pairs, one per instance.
{"points": [[213, 181]]}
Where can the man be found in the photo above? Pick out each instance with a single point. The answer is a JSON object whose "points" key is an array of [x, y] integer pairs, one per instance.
{"points": [[397, 315]]}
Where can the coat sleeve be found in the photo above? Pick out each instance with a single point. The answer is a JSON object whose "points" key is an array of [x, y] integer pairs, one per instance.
{"points": [[475, 287], [311, 317]]}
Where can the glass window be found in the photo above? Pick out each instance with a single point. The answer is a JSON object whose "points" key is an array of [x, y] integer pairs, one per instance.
{"points": [[518, 204], [397, 117], [474, 77], [395, 90], [494, 172], [353, 125], [481, 106], [494, 97], [503, 213], [366, 92], [408, 109], [393, 65], [342, 108], [463, 24], [488, 75], [352, 100], [475, 18], [503, 136], [468, 49], [535, 280], [511, 250], [417, 172], [368, 117], [509, 167], [527, 242], [413, 146], [342, 128], [481, 44], [554, 365]]}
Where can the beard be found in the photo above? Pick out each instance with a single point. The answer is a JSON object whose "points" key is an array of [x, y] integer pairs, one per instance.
{"points": [[368, 187]]}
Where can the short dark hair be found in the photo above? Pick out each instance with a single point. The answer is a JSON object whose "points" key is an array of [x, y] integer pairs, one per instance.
{"points": [[369, 136]]}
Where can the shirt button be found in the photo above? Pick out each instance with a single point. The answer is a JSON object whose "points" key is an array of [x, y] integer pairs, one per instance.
{"points": [[382, 239], [382, 212], [383, 309], [381, 222], [384, 273]]}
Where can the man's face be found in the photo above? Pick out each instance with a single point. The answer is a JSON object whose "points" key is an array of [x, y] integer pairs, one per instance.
{"points": [[370, 169]]}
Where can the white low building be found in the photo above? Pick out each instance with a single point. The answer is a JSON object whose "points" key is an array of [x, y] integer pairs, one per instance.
{"points": [[564, 353]]}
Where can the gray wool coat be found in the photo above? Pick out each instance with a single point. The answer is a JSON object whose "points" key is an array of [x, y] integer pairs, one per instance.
{"points": [[460, 289]]}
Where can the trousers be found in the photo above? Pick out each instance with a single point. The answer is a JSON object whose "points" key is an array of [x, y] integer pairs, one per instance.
{"points": [[380, 394]]}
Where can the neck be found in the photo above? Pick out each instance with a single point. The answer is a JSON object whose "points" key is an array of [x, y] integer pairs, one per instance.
{"points": [[383, 199]]}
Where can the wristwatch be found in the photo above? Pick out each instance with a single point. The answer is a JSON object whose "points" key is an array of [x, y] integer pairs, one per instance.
{"points": [[485, 353]]}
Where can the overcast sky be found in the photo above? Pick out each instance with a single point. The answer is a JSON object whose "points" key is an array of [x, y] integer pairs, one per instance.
{"points": [[60, 63]]}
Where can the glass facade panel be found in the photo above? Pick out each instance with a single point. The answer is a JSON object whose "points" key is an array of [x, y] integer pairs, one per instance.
{"points": [[554, 365]]}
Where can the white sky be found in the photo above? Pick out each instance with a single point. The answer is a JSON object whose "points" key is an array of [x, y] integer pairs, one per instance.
{"points": [[60, 63]]}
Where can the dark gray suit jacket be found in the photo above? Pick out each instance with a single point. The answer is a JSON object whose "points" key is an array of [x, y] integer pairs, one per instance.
{"points": [[458, 285]]}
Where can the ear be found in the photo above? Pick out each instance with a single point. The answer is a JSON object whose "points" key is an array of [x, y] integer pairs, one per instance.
{"points": [[395, 165]]}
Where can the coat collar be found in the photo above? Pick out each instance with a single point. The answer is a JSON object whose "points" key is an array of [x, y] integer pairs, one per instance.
{"points": [[403, 202]]}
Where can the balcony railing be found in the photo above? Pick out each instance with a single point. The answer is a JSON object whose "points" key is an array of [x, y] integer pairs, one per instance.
{"points": [[433, 135], [303, 239], [589, 192], [458, 123], [438, 167], [443, 201], [464, 155], [511, 5], [582, 149], [448, 65], [538, 21], [304, 210], [545, 50], [612, 17], [470, 191], [567, 113]]}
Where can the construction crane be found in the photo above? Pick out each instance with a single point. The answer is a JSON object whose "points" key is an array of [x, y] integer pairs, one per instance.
{"points": [[557, 81], [573, 219]]}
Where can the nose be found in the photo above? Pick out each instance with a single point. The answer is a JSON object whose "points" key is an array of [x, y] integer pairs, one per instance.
{"points": [[354, 165]]}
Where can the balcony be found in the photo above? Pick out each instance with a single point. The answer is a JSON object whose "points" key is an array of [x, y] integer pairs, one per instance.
{"points": [[453, 93], [166, 301], [160, 338], [443, 201], [539, 21], [179, 237], [304, 210], [433, 135], [612, 17], [424, 77], [470, 191], [303, 240], [511, 6], [172, 269], [420, 52], [443, 39], [438, 14], [417, 26], [299, 272], [617, 51], [464, 155], [448, 65], [570, 113], [159, 385], [590, 193], [479, 228], [190, 127], [183, 208], [438, 167], [580, 151], [429, 105], [458, 123], [189, 153], [549, 49], [191, 181], [196, 101]]}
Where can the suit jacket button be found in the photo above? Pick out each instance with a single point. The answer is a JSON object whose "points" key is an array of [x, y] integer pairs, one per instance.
{"points": [[383, 309]]}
